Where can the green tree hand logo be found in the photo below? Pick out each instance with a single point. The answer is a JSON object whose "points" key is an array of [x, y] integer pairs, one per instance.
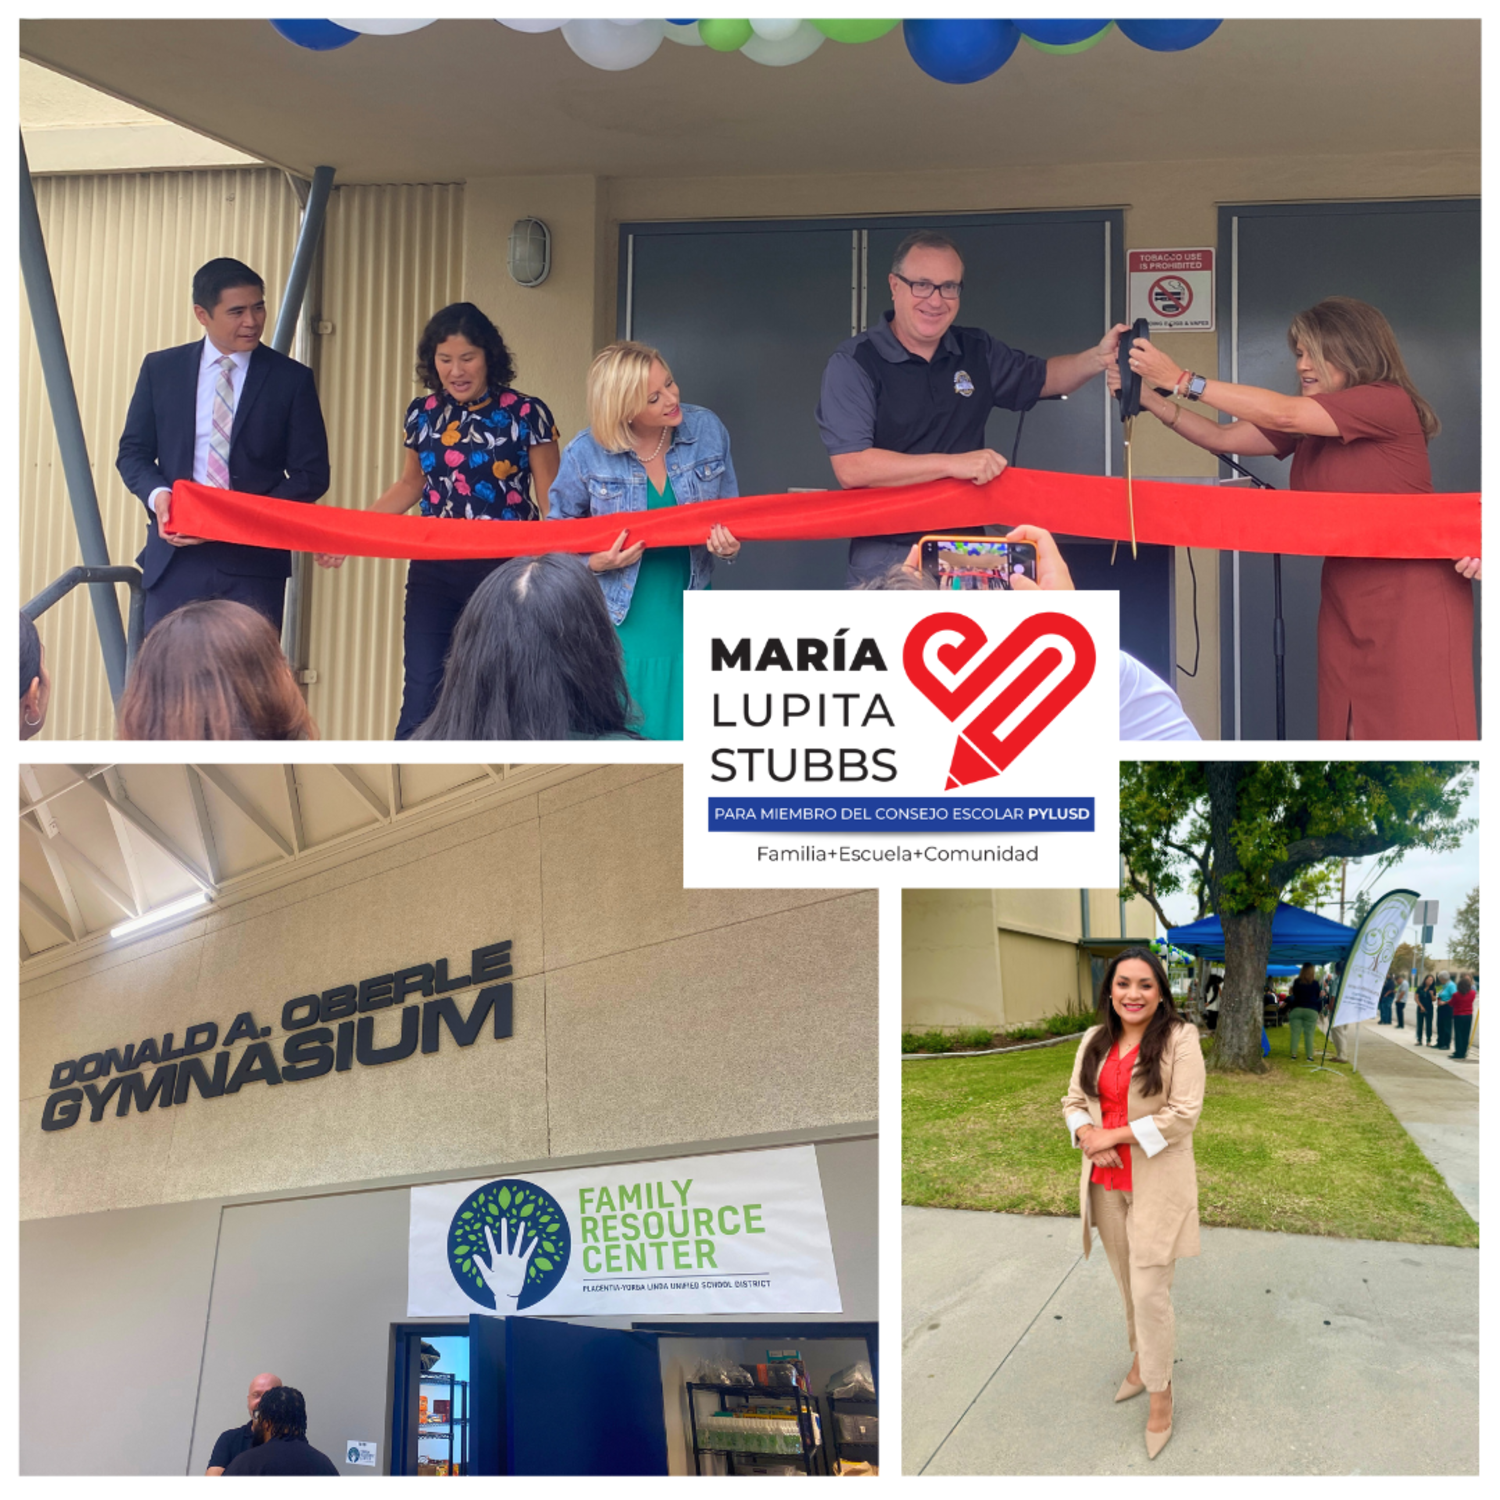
{"points": [[508, 1244]]}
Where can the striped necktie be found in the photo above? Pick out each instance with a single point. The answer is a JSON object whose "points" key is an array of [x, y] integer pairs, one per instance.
{"points": [[222, 426]]}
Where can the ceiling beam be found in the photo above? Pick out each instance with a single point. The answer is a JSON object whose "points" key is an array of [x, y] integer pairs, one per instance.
{"points": [[154, 835], [116, 788], [59, 876], [86, 867], [294, 806], [34, 903], [221, 783], [393, 784], [370, 798], [205, 824]]}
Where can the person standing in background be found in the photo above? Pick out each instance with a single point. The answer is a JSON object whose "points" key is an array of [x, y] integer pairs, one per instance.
{"points": [[239, 1440]]}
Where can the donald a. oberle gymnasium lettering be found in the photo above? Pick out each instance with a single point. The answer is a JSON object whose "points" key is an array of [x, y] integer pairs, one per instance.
{"points": [[328, 1032]]}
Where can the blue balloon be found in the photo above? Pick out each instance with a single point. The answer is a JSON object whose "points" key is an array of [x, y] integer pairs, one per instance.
{"points": [[316, 36], [1060, 33], [682, 23], [960, 51], [1168, 36]]}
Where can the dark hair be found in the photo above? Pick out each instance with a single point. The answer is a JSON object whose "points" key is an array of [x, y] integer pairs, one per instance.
{"points": [[463, 319], [534, 657], [31, 653], [1465, 984], [212, 280], [922, 239], [213, 670], [1153, 1043], [283, 1410]]}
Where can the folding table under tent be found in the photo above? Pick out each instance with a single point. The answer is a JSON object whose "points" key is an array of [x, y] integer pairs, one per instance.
{"points": [[1297, 936]]}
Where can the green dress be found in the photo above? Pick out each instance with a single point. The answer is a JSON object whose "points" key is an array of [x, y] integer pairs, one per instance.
{"points": [[651, 632]]}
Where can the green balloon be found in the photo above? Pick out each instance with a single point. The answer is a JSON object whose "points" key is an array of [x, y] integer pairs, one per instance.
{"points": [[855, 31], [725, 36], [1083, 46]]}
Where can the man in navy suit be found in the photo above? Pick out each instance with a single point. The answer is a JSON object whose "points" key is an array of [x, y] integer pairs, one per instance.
{"points": [[226, 411]]}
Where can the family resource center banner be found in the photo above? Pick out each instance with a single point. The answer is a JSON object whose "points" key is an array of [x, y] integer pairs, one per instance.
{"points": [[1370, 958], [923, 738], [743, 1232]]}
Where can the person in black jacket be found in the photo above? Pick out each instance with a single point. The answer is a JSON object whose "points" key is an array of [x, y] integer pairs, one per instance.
{"points": [[226, 411], [281, 1446], [234, 1441]]}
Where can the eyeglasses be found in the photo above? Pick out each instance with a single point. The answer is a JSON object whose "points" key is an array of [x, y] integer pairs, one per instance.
{"points": [[950, 291]]}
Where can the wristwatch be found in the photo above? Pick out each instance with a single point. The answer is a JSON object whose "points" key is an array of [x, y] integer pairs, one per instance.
{"points": [[1195, 387]]}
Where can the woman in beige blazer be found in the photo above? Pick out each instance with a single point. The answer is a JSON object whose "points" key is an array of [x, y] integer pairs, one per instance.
{"points": [[1135, 1096]]}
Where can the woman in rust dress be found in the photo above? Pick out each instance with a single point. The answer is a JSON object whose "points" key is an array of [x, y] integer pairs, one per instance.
{"points": [[1395, 635]]}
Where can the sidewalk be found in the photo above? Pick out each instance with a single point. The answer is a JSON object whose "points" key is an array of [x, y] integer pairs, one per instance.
{"points": [[1435, 1099], [1295, 1354]]}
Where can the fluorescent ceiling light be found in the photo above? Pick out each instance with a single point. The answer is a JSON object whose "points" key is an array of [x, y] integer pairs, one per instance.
{"points": [[161, 914]]}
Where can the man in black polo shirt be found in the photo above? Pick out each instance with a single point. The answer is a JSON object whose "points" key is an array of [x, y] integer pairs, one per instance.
{"points": [[906, 402], [281, 1445], [237, 1439]]}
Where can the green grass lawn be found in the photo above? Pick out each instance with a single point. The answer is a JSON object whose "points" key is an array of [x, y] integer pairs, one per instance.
{"points": [[1291, 1150]]}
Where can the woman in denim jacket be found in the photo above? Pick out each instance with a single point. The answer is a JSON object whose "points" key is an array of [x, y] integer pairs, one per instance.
{"points": [[645, 450]]}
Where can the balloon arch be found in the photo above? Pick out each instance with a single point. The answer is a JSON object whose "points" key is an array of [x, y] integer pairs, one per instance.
{"points": [[950, 51]]}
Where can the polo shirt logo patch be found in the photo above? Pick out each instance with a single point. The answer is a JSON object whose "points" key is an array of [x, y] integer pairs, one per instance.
{"points": [[962, 384]]}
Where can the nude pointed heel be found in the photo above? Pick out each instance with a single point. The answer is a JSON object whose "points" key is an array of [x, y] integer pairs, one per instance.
{"points": [[1129, 1388], [1156, 1441]]}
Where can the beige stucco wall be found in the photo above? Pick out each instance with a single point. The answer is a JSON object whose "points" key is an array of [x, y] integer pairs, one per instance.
{"points": [[950, 959], [645, 1015], [1000, 958], [1040, 977]]}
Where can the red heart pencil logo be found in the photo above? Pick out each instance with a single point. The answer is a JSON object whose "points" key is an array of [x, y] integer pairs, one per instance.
{"points": [[981, 751]]}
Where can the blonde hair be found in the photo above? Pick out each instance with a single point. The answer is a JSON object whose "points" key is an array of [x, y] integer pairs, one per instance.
{"points": [[1342, 333], [619, 383]]}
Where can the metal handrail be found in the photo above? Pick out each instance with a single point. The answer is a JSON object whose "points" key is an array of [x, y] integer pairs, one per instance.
{"points": [[61, 587]]}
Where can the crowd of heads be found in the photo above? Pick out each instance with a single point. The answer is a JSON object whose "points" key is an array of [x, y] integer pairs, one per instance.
{"points": [[534, 657]]}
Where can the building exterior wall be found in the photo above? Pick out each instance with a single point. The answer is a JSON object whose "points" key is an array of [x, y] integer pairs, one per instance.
{"points": [[268, 1229], [636, 1025], [392, 257], [206, 1295], [1002, 958]]}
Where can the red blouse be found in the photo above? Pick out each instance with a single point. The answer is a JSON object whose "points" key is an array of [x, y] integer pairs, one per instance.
{"points": [[1114, 1106]]}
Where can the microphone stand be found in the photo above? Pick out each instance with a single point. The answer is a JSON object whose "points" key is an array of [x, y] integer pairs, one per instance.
{"points": [[1278, 631]]}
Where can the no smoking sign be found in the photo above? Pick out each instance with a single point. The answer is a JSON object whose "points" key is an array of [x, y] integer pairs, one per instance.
{"points": [[1172, 289]]}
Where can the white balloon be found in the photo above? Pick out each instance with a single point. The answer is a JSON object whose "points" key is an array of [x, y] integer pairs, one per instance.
{"points": [[383, 28], [613, 21], [685, 36], [802, 43], [614, 48], [532, 28], [775, 31]]}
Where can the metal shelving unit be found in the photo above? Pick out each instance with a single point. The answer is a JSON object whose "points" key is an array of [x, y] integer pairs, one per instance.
{"points": [[455, 1431], [801, 1409]]}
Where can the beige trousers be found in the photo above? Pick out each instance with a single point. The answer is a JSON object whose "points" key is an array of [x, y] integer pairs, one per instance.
{"points": [[1147, 1290]]}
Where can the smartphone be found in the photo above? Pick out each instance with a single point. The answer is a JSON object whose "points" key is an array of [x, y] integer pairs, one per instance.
{"points": [[976, 562]]}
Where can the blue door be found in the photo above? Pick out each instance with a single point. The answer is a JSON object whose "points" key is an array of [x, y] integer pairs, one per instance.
{"points": [[557, 1398]]}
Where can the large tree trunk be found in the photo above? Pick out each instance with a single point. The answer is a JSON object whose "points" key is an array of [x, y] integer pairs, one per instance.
{"points": [[1247, 948], [1247, 934]]}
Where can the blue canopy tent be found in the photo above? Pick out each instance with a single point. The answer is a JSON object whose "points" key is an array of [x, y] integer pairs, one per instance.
{"points": [[1283, 971], [1297, 936]]}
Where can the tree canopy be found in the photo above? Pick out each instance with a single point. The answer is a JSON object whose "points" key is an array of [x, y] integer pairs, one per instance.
{"points": [[1242, 835], [1463, 947]]}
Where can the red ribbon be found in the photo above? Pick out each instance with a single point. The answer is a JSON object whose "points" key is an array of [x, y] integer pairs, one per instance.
{"points": [[1181, 515]]}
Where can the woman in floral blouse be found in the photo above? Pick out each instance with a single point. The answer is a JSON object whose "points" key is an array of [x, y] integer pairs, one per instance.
{"points": [[477, 450]]}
